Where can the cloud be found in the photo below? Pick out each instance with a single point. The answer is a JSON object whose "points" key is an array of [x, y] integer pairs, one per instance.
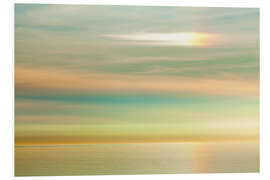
{"points": [[22, 105], [188, 39], [169, 39], [132, 133], [51, 80], [161, 69]]}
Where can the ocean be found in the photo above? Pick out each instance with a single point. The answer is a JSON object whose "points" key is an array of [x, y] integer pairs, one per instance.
{"points": [[137, 158]]}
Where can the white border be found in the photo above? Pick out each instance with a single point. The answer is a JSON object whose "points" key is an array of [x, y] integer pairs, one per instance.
{"points": [[7, 95]]}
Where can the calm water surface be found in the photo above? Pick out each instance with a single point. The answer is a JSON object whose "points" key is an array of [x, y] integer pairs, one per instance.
{"points": [[141, 158]]}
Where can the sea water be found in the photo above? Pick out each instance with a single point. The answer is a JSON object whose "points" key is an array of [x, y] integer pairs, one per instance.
{"points": [[137, 158]]}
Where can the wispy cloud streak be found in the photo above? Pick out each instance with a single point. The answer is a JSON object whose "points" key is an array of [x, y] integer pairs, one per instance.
{"points": [[48, 79]]}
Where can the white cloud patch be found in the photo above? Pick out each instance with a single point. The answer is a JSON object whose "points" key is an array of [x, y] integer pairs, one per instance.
{"points": [[169, 39]]}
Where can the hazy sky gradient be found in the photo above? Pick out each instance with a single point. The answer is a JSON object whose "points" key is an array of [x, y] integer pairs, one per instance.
{"points": [[110, 74]]}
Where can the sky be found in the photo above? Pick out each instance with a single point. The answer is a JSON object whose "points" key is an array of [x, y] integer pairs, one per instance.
{"points": [[128, 74]]}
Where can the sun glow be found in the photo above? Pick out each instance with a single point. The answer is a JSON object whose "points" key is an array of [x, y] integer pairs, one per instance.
{"points": [[169, 39]]}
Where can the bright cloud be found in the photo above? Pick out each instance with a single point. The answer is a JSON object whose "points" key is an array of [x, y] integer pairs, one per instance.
{"points": [[170, 39]]}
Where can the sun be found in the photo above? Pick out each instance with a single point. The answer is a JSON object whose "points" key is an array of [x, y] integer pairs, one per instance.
{"points": [[184, 39], [199, 39]]}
